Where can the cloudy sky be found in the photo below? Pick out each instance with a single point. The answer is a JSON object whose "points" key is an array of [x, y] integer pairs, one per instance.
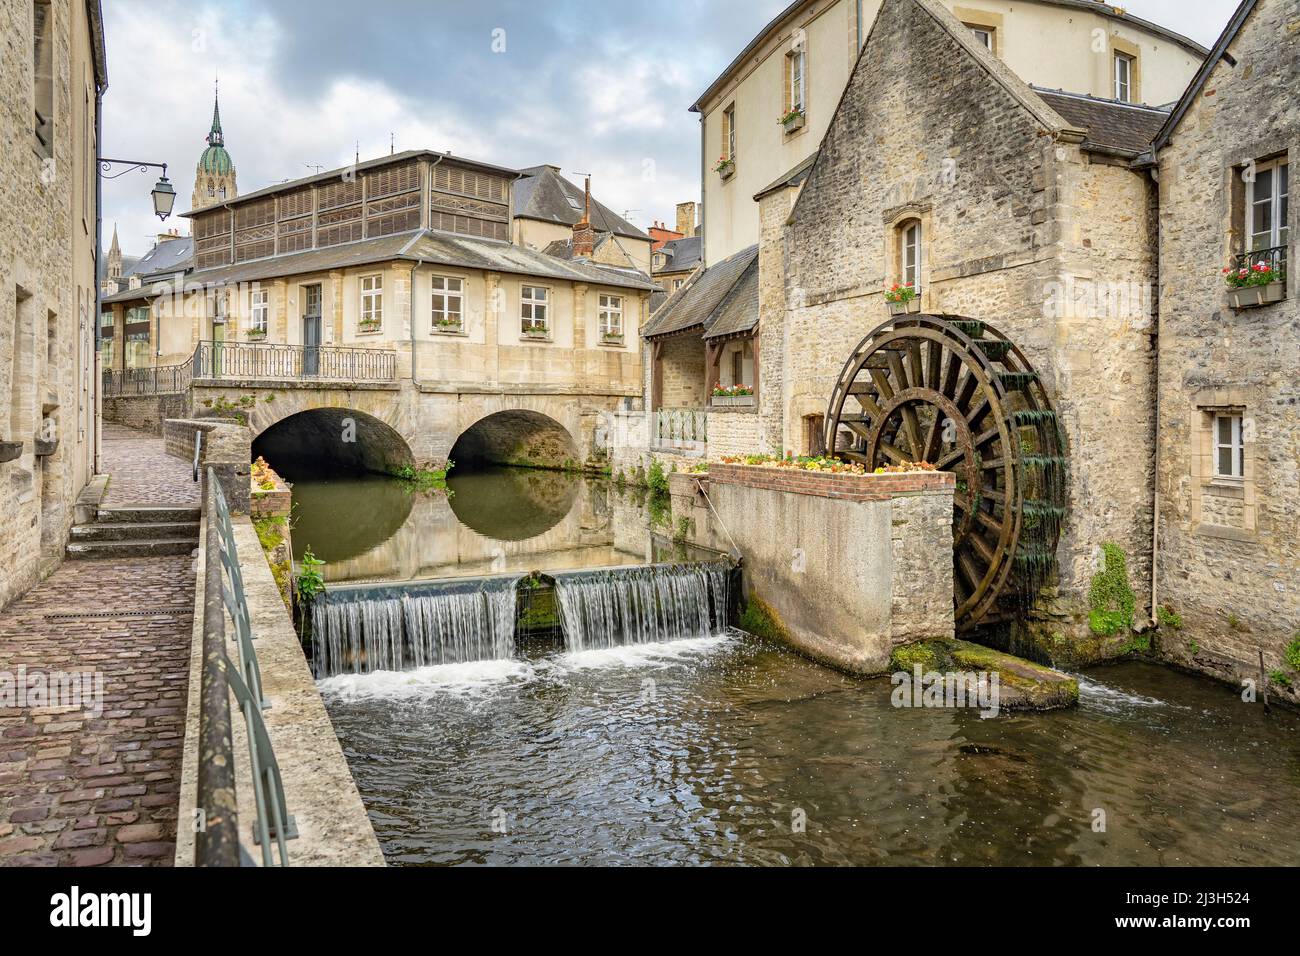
{"points": [[592, 87]]}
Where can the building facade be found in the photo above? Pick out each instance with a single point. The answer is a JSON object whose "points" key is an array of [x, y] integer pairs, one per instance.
{"points": [[1228, 449], [47, 319], [768, 111]]}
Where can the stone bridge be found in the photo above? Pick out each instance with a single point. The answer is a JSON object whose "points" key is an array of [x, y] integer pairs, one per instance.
{"points": [[380, 426]]}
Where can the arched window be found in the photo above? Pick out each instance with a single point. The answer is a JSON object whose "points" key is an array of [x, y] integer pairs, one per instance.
{"points": [[212, 188], [909, 258]]}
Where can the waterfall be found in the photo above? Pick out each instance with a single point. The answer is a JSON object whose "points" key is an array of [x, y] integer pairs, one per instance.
{"points": [[643, 605], [359, 630]]}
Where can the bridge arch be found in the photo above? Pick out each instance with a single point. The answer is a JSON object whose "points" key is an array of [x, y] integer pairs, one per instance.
{"points": [[347, 439], [516, 436]]}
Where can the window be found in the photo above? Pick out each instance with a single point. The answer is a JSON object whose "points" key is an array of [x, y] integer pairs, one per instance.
{"points": [[611, 315], [372, 301], [1268, 202], [910, 259], [738, 367], [729, 132], [794, 81], [448, 302], [43, 76], [677, 284], [106, 319], [212, 188], [259, 308], [1123, 77], [532, 308], [984, 35], [1229, 449]]}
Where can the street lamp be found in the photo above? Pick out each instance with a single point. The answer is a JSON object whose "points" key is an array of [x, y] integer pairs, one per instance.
{"points": [[164, 196]]}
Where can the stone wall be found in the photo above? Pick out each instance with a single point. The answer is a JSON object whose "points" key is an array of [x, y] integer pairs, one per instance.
{"points": [[227, 450], [847, 566], [1024, 229], [682, 362], [147, 412], [47, 271], [733, 431], [1228, 558]]}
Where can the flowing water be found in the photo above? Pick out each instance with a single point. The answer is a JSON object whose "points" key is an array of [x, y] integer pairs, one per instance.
{"points": [[728, 750], [654, 735]]}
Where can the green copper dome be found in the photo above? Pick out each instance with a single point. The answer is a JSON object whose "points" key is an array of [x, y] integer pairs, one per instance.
{"points": [[215, 159]]}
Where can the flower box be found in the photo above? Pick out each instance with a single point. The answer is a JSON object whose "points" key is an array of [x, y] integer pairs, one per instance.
{"points": [[910, 307], [448, 328], [726, 168], [538, 334], [611, 340], [255, 335], [368, 327], [1249, 297], [793, 122], [730, 401]]}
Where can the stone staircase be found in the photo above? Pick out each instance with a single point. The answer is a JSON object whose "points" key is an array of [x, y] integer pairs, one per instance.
{"points": [[136, 532]]}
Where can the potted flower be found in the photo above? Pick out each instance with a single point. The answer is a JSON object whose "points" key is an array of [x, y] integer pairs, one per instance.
{"points": [[369, 325], [725, 167], [538, 330], [792, 120], [611, 338], [902, 299], [1257, 284], [724, 395], [447, 325], [255, 335]]}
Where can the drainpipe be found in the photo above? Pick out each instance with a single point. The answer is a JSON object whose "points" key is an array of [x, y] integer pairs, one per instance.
{"points": [[96, 372], [1155, 484], [415, 358]]}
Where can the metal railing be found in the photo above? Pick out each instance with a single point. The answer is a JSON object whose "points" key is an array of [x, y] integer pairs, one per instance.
{"points": [[680, 428], [1276, 258], [153, 380], [217, 842], [258, 360]]}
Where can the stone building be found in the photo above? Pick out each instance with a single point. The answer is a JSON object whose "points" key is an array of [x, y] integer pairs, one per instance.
{"points": [[766, 113], [53, 74], [1228, 451], [401, 273], [546, 207]]}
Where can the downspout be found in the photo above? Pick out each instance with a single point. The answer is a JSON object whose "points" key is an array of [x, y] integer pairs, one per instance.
{"points": [[97, 374], [1155, 484]]}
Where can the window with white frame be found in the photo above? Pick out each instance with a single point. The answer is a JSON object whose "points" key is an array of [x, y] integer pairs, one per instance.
{"points": [[610, 314], [372, 301], [1268, 202], [1123, 78], [534, 304], [259, 309], [984, 35], [1229, 448], [910, 257], [729, 132], [448, 302], [795, 61]]}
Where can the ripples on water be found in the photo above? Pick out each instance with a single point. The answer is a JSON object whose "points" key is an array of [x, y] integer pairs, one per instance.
{"points": [[703, 751]]}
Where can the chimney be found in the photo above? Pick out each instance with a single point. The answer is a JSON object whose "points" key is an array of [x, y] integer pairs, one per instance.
{"points": [[584, 236], [686, 218]]}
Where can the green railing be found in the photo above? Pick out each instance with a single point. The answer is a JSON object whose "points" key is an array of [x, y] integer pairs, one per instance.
{"points": [[217, 842]]}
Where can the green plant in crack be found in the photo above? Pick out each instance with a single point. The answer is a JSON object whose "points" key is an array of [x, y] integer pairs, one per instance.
{"points": [[1110, 599]]}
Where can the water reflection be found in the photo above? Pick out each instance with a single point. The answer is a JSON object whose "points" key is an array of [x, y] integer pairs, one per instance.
{"points": [[371, 528]]}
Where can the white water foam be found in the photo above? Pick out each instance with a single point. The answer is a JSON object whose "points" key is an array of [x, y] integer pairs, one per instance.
{"points": [[1111, 700], [468, 679], [657, 656]]}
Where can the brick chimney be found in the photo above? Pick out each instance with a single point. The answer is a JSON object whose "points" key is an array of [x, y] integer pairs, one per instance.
{"points": [[584, 236], [686, 218]]}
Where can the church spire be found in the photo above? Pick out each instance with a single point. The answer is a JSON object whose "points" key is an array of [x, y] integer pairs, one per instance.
{"points": [[114, 258], [216, 137]]}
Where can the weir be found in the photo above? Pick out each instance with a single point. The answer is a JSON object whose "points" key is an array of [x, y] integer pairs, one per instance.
{"points": [[394, 627]]}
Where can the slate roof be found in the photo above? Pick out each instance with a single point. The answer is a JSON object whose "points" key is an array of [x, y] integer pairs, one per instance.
{"points": [[171, 255], [543, 194], [1112, 125], [683, 254], [738, 312], [716, 295], [792, 177]]}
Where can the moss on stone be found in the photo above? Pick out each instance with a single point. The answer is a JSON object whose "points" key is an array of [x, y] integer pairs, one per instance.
{"points": [[761, 620], [1110, 599]]}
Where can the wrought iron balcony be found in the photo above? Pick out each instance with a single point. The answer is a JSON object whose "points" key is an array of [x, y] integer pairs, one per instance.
{"points": [[246, 360], [154, 380]]}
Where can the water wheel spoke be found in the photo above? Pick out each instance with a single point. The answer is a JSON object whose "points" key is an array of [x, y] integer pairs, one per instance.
{"points": [[882, 384], [900, 375], [914, 362], [950, 459], [983, 548], [893, 453], [949, 389], [912, 429], [934, 440], [933, 366], [988, 521], [988, 436], [856, 457]]}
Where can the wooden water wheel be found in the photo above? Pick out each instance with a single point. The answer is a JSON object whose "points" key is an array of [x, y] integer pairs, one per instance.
{"points": [[958, 394]]}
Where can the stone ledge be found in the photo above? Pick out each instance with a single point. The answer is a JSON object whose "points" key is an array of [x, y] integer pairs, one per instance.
{"points": [[271, 384], [829, 485]]}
